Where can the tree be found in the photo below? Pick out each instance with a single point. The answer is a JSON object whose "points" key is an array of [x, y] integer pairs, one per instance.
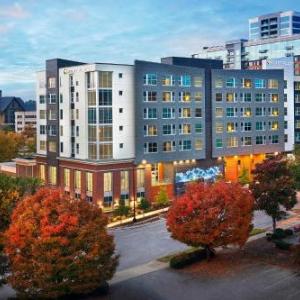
{"points": [[211, 215], [58, 246], [244, 177], [161, 199], [273, 187], [28, 147], [10, 143], [144, 204], [122, 209]]}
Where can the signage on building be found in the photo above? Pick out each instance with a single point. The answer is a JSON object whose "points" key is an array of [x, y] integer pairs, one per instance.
{"points": [[198, 174]]}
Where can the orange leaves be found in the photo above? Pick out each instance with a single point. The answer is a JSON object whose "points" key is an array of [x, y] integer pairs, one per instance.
{"points": [[58, 246], [211, 215]]}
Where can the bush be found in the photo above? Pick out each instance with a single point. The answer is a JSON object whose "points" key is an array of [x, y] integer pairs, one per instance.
{"points": [[288, 232], [278, 234], [161, 199], [122, 210], [184, 259], [282, 245], [144, 204]]}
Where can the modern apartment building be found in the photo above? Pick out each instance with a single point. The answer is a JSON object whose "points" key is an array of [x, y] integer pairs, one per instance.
{"points": [[111, 132], [271, 37], [24, 119]]}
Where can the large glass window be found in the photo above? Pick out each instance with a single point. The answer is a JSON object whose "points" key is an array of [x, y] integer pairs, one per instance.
{"points": [[92, 151], [168, 80], [89, 182], [185, 145], [105, 97], [52, 175], [169, 129], [77, 180], [198, 81], [105, 115], [105, 79], [124, 181], [168, 96], [92, 116], [169, 146], [273, 84], [42, 173], [232, 142], [107, 182], [92, 130], [105, 133], [140, 176], [105, 151], [91, 98], [259, 83], [150, 147], [185, 80], [67, 177], [150, 79]]}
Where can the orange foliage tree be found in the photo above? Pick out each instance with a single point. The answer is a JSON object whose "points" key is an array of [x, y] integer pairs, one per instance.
{"points": [[211, 215], [58, 246]]}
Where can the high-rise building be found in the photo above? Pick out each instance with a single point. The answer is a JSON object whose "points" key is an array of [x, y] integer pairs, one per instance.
{"points": [[111, 132], [271, 37]]}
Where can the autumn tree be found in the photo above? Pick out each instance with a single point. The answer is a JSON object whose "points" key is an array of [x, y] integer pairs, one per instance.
{"points": [[10, 144], [58, 246], [211, 215], [273, 187]]}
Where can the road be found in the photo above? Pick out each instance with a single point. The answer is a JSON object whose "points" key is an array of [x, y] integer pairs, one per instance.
{"points": [[142, 243]]}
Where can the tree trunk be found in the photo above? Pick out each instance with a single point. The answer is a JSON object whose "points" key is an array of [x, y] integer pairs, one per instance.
{"points": [[274, 224], [209, 252]]}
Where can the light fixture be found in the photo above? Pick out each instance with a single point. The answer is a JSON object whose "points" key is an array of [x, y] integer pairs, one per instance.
{"points": [[175, 162], [193, 160], [220, 158], [187, 161], [181, 162], [275, 153], [144, 161]]}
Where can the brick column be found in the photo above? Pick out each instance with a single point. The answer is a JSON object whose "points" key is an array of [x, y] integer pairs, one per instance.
{"points": [[116, 185]]}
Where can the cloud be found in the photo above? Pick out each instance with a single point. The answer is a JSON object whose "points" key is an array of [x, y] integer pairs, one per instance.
{"points": [[4, 28], [15, 11], [76, 15]]}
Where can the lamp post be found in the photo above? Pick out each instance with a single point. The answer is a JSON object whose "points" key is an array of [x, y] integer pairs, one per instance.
{"points": [[134, 194]]}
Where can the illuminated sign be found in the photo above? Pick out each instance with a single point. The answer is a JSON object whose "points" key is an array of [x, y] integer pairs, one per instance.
{"points": [[198, 173]]}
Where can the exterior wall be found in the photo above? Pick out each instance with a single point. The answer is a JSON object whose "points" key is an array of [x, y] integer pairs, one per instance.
{"points": [[239, 119], [142, 68], [23, 119], [26, 168], [287, 64]]}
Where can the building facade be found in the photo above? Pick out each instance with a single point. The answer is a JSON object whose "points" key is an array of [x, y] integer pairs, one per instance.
{"points": [[24, 119], [108, 132]]}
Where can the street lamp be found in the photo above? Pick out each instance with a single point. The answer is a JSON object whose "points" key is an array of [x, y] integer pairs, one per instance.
{"points": [[134, 195]]}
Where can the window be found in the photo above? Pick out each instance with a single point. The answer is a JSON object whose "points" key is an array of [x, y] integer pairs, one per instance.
{"points": [[105, 97], [246, 83], [219, 143], [260, 126], [198, 96], [89, 182], [43, 145], [219, 112], [185, 128], [168, 96], [120, 75], [42, 99], [169, 146], [297, 124], [61, 99], [185, 145], [42, 172], [91, 98], [105, 79], [273, 84], [185, 80], [149, 96], [218, 83], [105, 115], [219, 127], [274, 125], [246, 97], [77, 180], [198, 81], [259, 111], [107, 185], [198, 128], [184, 112], [150, 130], [275, 139], [120, 128], [120, 110], [150, 79], [198, 144], [246, 112], [61, 114], [274, 112], [246, 141], [42, 129], [51, 82], [230, 82], [77, 96], [124, 181], [198, 113], [42, 114], [105, 151], [52, 146], [232, 142], [92, 115], [231, 127], [219, 97], [92, 150], [168, 80], [297, 111], [67, 177], [231, 97], [105, 133], [260, 140], [120, 93], [150, 113], [169, 129], [140, 176], [184, 96], [231, 112], [52, 175], [259, 83], [260, 97], [247, 126], [92, 133], [274, 98], [168, 113], [52, 130], [150, 147], [52, 98]]}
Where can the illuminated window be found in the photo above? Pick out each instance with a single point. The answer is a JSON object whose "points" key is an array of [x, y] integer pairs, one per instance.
{"points": [[124, 181], [246, 83], [185, 128], [168, 80], [219, 127], [198, 81], [150, 130], [105, 133], [218, 83], [105, 79], [52, 83], [89, 181], [297, 125], [185, 96], [232, 142], [231, 127], [67, 177], [198, 144], [140, 176], [184, 112], [43, 145], [273, 84], [105, 151], [219, 112], [169, 146], [42, 172], [246, 112], [92, 151], [231, 97], [168, 96], [274, 98], [107, 182], [274, 125], [52, 146], [274, 112], [77, 180], [198, 96], [52, 175]]}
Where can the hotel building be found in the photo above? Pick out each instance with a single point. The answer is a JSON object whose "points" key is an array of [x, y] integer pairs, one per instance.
{"points": [[107, 132]]}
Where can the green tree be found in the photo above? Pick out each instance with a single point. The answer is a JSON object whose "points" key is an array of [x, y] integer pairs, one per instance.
{"points": [[122, 209], [244, 177], [161, 199], [144, 204], [273, 187]]}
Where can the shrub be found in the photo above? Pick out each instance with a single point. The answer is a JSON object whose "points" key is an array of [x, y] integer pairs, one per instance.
{"points": [[161, 199], [278, 234], [184, 259], [122, 209], [144, 204], [282, 245], [288, 232], [58, 246]]}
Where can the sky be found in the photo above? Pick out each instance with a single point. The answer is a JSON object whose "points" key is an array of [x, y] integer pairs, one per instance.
{"points": [[117, 31]]}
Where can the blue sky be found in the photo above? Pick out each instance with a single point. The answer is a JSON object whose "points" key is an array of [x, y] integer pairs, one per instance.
{"points": [[118, 31]]}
